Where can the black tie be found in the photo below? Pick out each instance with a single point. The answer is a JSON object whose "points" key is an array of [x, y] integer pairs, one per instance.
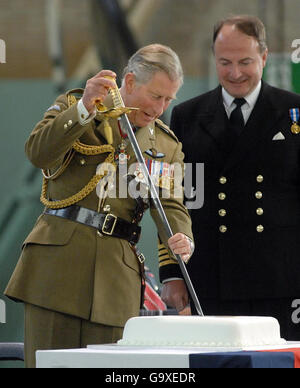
{"points": [[236, 118]]}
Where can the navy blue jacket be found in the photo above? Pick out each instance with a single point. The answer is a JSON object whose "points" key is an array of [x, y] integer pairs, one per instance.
{"points": [[247, 233]]}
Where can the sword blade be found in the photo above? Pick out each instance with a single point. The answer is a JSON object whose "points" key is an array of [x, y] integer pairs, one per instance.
{"points": [[127, 128]]}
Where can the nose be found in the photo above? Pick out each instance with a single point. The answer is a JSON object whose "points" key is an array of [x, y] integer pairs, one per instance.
{"points": [[235, 72], [160, 106]]}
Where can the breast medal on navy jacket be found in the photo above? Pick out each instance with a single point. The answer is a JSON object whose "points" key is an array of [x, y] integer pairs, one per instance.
{"points": [[247, 233]]}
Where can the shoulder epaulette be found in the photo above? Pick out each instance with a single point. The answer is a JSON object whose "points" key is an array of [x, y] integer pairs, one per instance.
{"points": [[74, 95], [166, 129]]}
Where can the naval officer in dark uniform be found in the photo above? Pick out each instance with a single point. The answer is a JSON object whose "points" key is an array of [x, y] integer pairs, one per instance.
{"points": [[247, 234]]}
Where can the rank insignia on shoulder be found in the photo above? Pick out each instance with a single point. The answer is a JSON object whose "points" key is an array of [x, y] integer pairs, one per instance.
{"points": [[155, 154], [295, 115], [166, 129]]}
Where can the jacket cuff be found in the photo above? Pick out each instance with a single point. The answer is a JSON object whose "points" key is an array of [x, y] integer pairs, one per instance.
{"points": [[170, 271]]}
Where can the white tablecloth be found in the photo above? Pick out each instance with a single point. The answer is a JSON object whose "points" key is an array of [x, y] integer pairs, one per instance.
{"points": [[115, 356]]}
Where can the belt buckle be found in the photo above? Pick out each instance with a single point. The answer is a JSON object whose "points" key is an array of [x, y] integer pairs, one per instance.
{"points": [[108, 219]]}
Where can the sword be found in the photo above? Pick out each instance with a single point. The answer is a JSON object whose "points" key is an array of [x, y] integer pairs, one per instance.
{"points": [[127, 128]]}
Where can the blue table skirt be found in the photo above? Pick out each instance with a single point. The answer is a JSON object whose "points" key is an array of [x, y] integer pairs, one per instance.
{"points": [[242, 360]]}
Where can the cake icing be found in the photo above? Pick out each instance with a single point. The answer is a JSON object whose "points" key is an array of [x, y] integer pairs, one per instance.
{"points": [[208, 331]]}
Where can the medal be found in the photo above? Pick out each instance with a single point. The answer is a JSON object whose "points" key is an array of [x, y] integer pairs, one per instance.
{"points": [[121, 157], [139, 175], [295, 115], [295, 129]]}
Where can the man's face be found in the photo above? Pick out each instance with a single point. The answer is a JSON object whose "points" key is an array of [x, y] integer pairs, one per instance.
{"points": [[239, 62], [152, 98]]}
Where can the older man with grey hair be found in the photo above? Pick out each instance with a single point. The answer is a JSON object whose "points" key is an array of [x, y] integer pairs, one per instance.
{"points": [[80, 274]]}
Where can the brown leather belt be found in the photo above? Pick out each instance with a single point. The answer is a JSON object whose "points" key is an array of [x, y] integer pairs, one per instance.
{"points": [[106, 224]]}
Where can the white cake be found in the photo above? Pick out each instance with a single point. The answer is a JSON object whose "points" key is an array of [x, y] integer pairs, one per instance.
{"points": [[209, 331]]}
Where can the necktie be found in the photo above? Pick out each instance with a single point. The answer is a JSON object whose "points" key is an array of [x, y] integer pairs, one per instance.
{"points": [[236, 118]]}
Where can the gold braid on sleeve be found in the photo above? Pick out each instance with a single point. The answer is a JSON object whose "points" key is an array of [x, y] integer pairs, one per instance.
{"points": [[83, 149]]}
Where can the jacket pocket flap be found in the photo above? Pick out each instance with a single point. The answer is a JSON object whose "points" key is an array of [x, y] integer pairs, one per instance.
{"points": [[51, 230]]}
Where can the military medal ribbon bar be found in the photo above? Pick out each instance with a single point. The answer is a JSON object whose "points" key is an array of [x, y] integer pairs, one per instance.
{"points": [[162, 173]]}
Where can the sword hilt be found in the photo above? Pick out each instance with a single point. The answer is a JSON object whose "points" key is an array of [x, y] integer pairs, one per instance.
{"points": [[115, 93]]}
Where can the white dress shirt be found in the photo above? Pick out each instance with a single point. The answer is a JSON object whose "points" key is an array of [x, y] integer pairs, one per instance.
{"points": [[246, 108], [84, 116]]}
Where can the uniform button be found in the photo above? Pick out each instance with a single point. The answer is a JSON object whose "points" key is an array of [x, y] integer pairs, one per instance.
{"points": [[222, 196], [66, 126], [82, 161], [222, 212], [260, 228], [259, 195], [70, 122], [260, 179], [223, 229], [259, 211], [223, 180]]}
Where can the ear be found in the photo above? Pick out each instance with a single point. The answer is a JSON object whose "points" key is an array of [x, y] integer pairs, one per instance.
{"points": [[265, 57], [130, 82]]}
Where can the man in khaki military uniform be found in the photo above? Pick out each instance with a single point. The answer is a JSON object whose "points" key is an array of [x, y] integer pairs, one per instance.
{"points": [[79, 274]]}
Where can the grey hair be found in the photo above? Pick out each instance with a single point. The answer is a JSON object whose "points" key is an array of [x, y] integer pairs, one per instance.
{"points": [[153, 58]]}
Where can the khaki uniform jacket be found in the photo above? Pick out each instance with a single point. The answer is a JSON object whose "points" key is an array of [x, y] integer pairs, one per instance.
{"points": [[66, 266]]}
